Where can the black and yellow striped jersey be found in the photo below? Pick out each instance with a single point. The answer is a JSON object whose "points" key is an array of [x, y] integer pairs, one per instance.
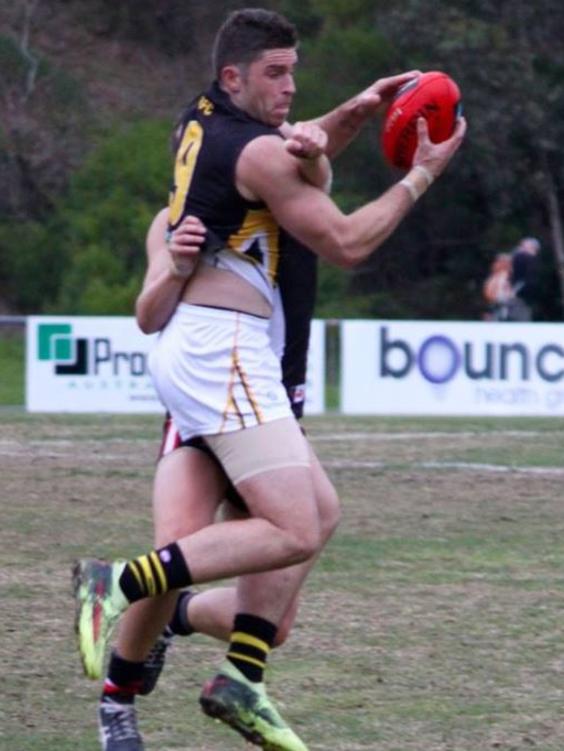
{"points": [[211, 136]]}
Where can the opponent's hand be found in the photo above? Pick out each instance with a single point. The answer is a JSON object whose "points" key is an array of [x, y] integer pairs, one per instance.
{"points": [[435, 156], [184, 246], [306, 141]]}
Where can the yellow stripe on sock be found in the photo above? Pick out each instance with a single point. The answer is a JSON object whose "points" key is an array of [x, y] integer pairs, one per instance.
{"points": [[159, 568], [246, 658], [134, 568], [146, 566], [252, 641]]}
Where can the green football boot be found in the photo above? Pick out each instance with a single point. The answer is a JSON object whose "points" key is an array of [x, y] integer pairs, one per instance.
{"points": [[99, 603], [244, 705]]}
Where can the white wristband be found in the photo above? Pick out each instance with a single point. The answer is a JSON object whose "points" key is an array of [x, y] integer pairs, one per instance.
{"points": [[410, 187], [417, 181], [425, 172]]}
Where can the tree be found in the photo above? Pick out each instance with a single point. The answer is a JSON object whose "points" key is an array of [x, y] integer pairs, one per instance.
{"points": [[131, 60], [509, 61], [105, 216], [508, 178]]}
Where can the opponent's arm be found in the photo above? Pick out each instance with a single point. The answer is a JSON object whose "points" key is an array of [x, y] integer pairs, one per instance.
{"points": [[264, 171], [344, 123], [170, 265]]}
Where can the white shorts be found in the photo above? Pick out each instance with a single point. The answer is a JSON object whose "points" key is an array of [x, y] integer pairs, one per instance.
{"points": [[215, 371]]}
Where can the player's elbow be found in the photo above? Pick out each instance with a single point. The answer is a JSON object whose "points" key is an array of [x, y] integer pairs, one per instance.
{"points": [[346, 255], [336, 249], [348, 258], [146, 322], [146, 328], [356, 245], [346, 251]]}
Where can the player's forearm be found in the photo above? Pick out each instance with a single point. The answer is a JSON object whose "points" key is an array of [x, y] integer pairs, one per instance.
{"points": [[348, 240], [158, 300], [342, 125], [369, 227]]}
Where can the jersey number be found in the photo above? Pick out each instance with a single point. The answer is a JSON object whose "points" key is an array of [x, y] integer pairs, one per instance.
{"points": [[185, 164]]}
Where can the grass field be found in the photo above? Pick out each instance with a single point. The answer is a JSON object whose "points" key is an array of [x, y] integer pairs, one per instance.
{"points": [[433, 622], [11, 367]]}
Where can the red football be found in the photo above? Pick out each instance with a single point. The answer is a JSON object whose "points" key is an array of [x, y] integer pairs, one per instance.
{"points": [[434, 96]]}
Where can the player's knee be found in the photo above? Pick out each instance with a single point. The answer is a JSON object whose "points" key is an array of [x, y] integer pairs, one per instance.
{"points": [[308, 542], [169, 532], [329, 514]]}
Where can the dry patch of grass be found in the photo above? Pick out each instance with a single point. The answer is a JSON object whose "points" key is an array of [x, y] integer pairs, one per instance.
{"points": [[433, 620]]}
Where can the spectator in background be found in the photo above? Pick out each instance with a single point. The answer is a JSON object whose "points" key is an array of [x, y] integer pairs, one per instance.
{"points": [[524, 268], [497, 290]]}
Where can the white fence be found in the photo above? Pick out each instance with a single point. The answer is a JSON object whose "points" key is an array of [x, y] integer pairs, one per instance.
{"points": [[98, 364], [446, 368]]}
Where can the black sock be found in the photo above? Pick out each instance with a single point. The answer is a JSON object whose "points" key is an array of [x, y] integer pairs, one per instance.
{"points": [[124, 680], [180, 623], [251, 641], [155, 573]]}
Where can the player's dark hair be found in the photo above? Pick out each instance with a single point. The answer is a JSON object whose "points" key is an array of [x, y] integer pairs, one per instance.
{"points": [[246, 33]]}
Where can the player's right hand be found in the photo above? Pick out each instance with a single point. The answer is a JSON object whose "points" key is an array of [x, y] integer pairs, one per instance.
{"points": [[306, 141], [435, 156]]}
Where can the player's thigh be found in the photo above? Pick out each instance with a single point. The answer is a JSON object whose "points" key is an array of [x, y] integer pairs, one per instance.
{"points": [[269, 464], [285, 497], [326, 498], [187, 489]]}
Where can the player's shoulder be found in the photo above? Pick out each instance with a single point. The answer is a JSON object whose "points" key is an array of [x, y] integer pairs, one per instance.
{"points": [[266, 153], [263, 168]]}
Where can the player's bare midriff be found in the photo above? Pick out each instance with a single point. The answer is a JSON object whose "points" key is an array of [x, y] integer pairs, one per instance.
{"points": [[223, 289]]}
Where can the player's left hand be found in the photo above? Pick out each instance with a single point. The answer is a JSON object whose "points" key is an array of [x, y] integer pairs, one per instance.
{"points": [[368, 102], [306, 141], [184, 246]]}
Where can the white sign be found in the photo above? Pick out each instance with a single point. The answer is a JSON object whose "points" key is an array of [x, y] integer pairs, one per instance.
{"points": [[444, 368], [315, 377], [88, 364], [99, 364]]}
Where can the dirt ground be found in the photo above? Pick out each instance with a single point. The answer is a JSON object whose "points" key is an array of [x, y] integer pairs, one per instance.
{"points": [[433, 621]]}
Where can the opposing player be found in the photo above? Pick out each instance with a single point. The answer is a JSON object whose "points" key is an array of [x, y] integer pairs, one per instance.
{"points": [[187, 473], [234, 172]]}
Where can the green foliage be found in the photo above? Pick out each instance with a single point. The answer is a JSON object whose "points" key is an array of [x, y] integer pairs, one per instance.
{"points": [[32, 264], [334, 296], [91, 250], [105, 217], [11, 367], [506, 56], [12, 63], [344, 12]]}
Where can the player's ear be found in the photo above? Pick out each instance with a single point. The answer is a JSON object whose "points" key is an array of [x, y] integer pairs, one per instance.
{"points": [[231, 79]]}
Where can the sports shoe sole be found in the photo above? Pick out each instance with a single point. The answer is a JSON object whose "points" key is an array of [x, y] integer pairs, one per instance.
{"points": [[76, 584], [92, 669], [219, 712]]}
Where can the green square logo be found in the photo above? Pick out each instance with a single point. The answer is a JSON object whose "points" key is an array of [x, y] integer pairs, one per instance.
{"points": [[61, 347], [54, 341]]}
